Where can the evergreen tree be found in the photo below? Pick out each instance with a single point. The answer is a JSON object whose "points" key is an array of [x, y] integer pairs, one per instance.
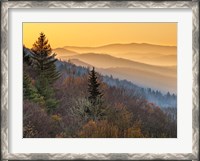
{"points": [[93, 87], [44, 59], [44, 63], [30, 92], [47, 92]]}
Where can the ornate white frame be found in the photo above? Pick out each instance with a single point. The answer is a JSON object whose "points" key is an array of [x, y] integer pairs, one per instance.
{"points": [[97, 4]]}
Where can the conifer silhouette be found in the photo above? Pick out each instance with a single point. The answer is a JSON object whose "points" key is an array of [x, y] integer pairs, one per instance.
{"points": [[93, 87], [44, 59]]}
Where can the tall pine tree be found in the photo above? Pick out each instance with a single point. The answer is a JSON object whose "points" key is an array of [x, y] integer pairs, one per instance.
{"points": [[93, 87], [97, 110], [44, 63], [44, 59]]}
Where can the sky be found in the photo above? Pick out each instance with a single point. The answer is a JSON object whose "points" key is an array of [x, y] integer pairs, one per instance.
{"points": [[98, 34]]}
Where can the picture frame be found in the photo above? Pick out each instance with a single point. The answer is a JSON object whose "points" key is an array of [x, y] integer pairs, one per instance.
{"points": [[6, 36]]}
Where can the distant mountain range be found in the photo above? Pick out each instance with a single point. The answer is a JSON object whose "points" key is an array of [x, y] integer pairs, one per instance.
{"points": [[145, 53], [146, 65], [64, 52], [162, 78]]}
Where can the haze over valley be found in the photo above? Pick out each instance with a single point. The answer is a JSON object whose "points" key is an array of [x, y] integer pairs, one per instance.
{"points": [[146, 65], [145, 53]]}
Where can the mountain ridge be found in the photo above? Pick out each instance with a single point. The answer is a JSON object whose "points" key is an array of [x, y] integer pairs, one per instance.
{"points": [[132, 43], [143, 52], [164, 78], [108, 61]]}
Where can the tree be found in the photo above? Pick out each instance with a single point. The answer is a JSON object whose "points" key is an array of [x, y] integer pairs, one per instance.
{"points": [[47, 92], [30, 92], [97, 108], [93, 87], [44, 59], [44, 63]]}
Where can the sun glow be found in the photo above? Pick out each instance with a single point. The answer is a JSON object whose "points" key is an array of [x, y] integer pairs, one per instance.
{"points": [[97, 34]]}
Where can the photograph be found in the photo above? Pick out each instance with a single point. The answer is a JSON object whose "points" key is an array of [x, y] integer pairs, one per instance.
{"points": [[99, 80]]}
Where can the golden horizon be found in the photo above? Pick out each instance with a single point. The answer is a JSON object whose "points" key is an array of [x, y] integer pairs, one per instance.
{"points": [[101, 34]]}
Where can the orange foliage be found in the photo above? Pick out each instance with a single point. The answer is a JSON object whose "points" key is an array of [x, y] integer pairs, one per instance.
{"points": [[135, 131], [104, 129], [99, 129]]}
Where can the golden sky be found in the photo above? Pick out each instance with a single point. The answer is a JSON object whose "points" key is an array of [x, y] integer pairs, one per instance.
{"points": [[97, 34]]}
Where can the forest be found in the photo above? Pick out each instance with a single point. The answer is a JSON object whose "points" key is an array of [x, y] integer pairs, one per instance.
{"points": [[63, 100]]}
